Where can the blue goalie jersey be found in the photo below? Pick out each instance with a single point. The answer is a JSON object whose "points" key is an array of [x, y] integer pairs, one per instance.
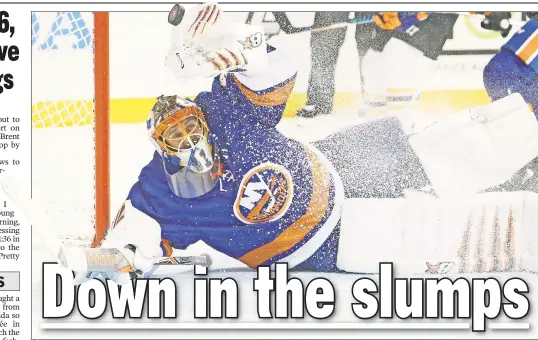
{"points": [[278, 199]]}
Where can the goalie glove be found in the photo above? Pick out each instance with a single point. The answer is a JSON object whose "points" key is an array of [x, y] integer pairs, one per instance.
{"points": [[207, 44], [137, 237], [400, 21]]}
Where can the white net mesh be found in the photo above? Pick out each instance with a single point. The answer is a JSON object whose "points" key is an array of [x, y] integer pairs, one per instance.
{"points": [[62, 69], [63, 155]]}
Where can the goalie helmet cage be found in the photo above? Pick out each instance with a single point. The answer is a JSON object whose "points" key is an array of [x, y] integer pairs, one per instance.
{"points": [[71, 122]]}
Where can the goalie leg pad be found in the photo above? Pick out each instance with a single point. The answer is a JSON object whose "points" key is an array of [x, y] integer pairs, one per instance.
{"points": [[478, 148], [487, 233]]}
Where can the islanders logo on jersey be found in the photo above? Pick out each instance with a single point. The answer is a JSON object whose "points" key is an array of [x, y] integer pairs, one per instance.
{"points": [[264, 195]]}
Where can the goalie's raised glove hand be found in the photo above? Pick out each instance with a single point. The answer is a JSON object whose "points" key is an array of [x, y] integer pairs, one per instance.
{"points": [[208, 44], [497, 21], [138, 238], [400, 21]]}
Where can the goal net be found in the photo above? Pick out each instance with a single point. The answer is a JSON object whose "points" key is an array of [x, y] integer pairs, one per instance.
{"points": [[70, 121]]}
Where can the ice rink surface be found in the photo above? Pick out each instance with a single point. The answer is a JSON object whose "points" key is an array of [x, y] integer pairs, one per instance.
{"points": [[70, 205]]}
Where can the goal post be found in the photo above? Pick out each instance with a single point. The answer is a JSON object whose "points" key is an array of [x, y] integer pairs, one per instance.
{"points": [[102, 125]]}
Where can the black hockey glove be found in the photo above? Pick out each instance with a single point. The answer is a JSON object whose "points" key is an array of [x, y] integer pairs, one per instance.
{"points": [[498, 21]]}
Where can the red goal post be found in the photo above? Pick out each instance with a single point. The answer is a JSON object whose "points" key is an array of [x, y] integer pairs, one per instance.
{"points": [[102, 125]]}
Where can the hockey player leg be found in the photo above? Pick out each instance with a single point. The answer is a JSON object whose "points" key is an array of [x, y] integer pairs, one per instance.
{"points": [[325, 48], [405, 69], [374, 159], [487, 233], [373, 90]]}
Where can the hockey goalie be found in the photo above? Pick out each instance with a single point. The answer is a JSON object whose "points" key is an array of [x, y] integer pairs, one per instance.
{"points": [[457, 196]]}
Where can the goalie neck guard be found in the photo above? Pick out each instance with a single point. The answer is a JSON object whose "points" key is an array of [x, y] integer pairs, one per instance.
{"points": [[179, 132]]}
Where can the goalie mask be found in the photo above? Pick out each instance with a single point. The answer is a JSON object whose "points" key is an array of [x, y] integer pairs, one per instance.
{"points": [[179, 131]]}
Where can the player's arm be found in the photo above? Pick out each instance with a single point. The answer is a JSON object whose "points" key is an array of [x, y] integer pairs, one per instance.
{"points": [[257, 96], [265, 92], [243, 114]]}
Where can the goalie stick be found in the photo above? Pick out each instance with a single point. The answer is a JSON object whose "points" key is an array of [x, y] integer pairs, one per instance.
{"points": [[87, 259]]}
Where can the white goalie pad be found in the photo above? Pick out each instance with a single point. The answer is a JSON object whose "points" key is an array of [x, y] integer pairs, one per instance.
{"points": [[489, 232], [478, 148]]}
